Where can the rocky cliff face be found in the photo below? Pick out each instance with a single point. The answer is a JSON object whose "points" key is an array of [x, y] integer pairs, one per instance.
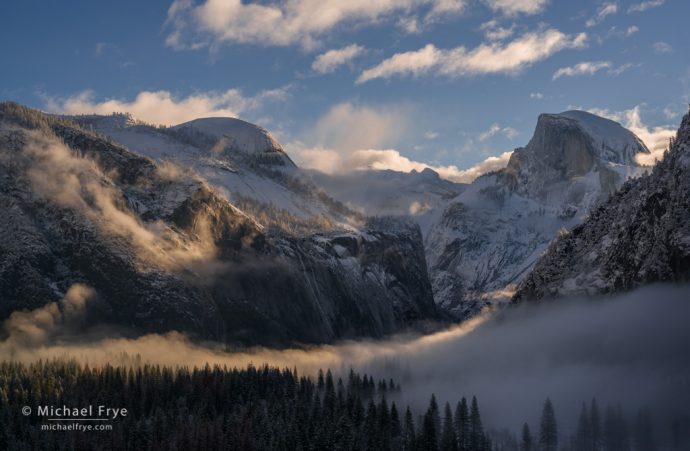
{"points": [[486, 240], [165, 251], [640, 235]]}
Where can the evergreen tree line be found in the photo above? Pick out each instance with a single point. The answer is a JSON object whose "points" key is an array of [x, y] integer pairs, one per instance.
{"points": [[267, 408]]}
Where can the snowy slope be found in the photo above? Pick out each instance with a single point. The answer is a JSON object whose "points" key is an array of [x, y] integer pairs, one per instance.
{"points": [[489, 237], [232, 135], [482, 239], [640, 235], [242, 160], [164, 250], [375, 193]]}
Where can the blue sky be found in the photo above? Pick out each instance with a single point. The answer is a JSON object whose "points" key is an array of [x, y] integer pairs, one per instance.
{"points": [[383, 83]]}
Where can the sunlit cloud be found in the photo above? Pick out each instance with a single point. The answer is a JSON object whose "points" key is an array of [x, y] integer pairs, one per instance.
{"points": [[644, 6], [353, 137], [591, 68], [487, 58], [494, 32], [495, 129], [605, 10], [162, 107], [513, 7], [331, 60], [583, 68], [662, 47], [301, 22]]}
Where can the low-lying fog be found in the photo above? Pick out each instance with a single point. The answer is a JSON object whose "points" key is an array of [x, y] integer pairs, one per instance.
{"points": [[633, 349]]}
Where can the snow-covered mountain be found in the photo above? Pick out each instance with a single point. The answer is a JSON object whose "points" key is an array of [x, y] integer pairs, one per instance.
{"points": [[231, 136], [488, 238], [482, 239], [640, 235], [243, 161], [167, 249], [387, 192]]}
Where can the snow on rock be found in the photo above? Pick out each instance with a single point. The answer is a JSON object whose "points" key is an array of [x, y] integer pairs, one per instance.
{"points": [[229, 134], [167, 251], [640, 235]]}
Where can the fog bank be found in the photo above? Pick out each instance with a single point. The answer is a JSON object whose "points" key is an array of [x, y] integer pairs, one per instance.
{"points": [[632, 349]]}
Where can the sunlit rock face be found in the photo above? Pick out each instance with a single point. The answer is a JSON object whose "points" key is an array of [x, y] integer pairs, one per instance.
{"points": [[640, 235]]}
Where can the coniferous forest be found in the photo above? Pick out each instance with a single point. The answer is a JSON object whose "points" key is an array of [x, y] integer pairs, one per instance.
{"points": [[267, 408]]}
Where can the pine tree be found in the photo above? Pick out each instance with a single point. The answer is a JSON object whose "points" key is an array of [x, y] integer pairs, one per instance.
{"points": [[615, 430], [644, 434], [408, 432], [527, 443], [583, 437], [462, 425], [448, 439], [548, 430], [595, 426], [476, 432], [436, 415], [428, 440]]}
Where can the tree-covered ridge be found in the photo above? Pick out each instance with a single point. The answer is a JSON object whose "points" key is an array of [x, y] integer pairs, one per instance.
{"points": [[267, 408], [262, 408]]}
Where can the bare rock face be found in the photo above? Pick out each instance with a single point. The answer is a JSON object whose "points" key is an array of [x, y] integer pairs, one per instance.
{"points": [[167, 252], [640, 235]]}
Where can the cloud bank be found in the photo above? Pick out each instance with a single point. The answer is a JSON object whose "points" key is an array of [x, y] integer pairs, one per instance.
{"points": [[488, 58], [626, 349], [514, 7], [162, 107], [583, 68], [301, 22], [353, 137], [331, 60]]}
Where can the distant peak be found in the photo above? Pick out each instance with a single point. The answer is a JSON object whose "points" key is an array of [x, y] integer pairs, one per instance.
{"points": [[236, 135], [610, 140]]}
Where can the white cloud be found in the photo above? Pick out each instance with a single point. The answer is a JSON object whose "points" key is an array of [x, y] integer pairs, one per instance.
{"points": [[329, 61], [495, 129], [349, 127], [513, 7], [662, 47], [670, 113], [162, 107], [590, 68], [442, 8], [283, 23], [655, 137], [431, 135], [631, 30], [332, 161], [614, 31], [644, 6], [620, 69], [536, 95], [410, 25], [583, 68], [494, 32], [604, 11], [487, 58], [354, 137]]}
